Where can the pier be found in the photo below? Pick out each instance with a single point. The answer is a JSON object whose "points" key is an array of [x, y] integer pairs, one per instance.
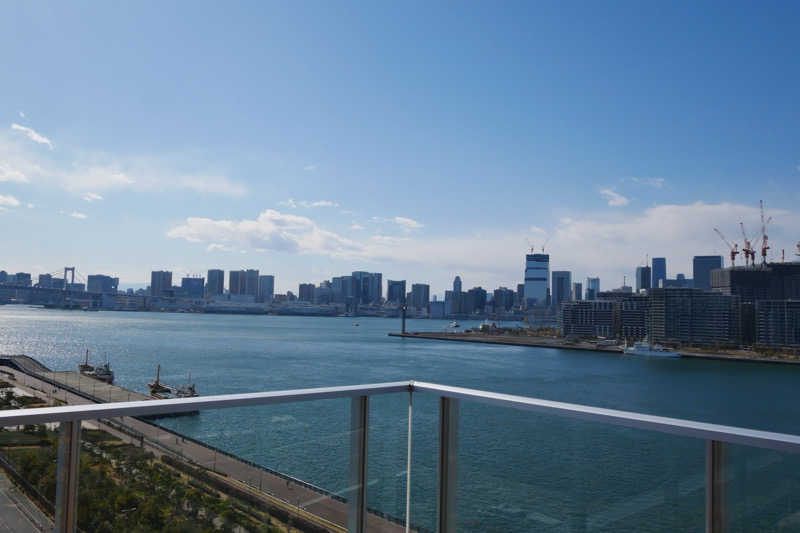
{"points": [[311, 508]]}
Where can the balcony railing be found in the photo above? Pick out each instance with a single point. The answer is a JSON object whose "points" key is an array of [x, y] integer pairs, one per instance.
{"points": [[715, 438]]}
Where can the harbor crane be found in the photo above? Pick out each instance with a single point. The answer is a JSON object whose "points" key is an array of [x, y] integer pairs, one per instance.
{"points": [[733, 247]]}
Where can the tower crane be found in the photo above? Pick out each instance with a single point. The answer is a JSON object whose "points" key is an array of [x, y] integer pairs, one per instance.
{"points": [[764, 238], [748, 250], [733, 247], [798, 249]]}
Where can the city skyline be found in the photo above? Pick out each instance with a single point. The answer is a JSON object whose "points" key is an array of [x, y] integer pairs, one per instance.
{"points": [[268, 153]]}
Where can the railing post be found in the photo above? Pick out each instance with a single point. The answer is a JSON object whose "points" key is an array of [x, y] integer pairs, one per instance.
{"points": [[357, 501], [69, 446], [714, 487], [448, 464]]}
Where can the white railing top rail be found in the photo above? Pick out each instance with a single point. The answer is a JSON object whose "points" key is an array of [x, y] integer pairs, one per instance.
{"points": [[675, 426]]}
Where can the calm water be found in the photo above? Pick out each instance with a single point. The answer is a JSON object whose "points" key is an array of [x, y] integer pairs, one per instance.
{"points": [[518, 471]]}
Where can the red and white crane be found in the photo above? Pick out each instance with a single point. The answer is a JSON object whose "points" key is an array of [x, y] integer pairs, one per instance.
{"points": [[734, 247], [764, 238]]}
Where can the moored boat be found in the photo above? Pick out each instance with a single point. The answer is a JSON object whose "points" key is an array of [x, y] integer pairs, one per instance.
{"points": [[650, 350]]}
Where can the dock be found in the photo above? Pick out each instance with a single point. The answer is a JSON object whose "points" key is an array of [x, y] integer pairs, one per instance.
{"points": [[311, 508]]}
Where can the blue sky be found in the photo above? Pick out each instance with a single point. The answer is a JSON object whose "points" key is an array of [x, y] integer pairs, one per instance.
{"points": [[422, 140]]}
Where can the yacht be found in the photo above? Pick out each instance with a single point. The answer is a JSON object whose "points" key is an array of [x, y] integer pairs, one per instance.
{"points": [[650, 350]]}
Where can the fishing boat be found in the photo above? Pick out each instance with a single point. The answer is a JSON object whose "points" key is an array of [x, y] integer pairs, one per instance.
{"points": [[85, 367], [103, 372], [156, 387]]}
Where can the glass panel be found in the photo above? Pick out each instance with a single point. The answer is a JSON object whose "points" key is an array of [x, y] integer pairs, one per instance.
{"points": [[761, 491], [283, 466], [28, 459], [521, 471], [425, 461]]}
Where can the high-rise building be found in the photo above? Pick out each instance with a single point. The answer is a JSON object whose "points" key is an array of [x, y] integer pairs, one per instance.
{"points": [[659, 271], [419, 296], [192, 287], [577, 291], [702, 265], [266, 288], [592, 288], [251, 283], [100, 284], [23, 279], [367, 287], [561, 290], [643, 278], [216, 282], [160, 282], [693, 316], [587, 319], [537, 272], [396, 291], [475, 300], [778, 323], [236, 281], [773, 281], [45, 281], [457, 284], [503, 299], [306, 292]]}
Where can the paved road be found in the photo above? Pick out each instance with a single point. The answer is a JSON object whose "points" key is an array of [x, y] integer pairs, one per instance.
{"points": [[17, 513], [296, 498]]}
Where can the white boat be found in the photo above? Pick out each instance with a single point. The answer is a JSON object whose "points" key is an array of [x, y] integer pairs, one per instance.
{"points": [[454, 324], [646, 349]]}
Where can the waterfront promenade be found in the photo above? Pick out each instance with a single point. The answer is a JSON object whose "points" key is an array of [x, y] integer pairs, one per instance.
{"points": [[304, 502]]}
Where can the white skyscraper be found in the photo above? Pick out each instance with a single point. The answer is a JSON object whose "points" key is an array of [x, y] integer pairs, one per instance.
{"points": [[537, 274]]}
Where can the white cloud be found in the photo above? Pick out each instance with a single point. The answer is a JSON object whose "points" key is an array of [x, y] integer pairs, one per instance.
{"points": [[272, 230], [8, 201], [319, 203], [221, 247], [657, 183], [288, 203], [614, 198], [356, 226], [10, 174], [32, 135], [92, 197], [21, 114], [30, 206], [310, 168], [407, 223], [76, 214]]}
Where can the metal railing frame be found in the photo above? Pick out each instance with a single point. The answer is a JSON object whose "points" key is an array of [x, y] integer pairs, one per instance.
{"points": [[715, 435]]}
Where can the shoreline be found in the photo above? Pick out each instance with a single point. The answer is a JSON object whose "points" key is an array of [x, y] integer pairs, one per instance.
{"points": [[549, 342]]}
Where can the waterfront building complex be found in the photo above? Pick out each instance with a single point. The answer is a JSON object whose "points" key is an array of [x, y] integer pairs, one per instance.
{"points": [[702, 265]]}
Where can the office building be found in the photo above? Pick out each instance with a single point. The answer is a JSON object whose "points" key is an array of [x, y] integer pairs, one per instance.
{"points": [[193, 287], [396, 291], [266, 288], [587, 318], [475, 300], [367, 287], [160, 283], [457, 284], [22, 279], [419, 297], [702, 265], [503, 299], [577, 291], [659, 271], [778, 323], [561, 290], [537, 273], [236, 282], [100, 284], [643, 278], [306, 292], [631, 316], [592, 288], [680, 281], [251, 283], [215, 285], [45, 281]]}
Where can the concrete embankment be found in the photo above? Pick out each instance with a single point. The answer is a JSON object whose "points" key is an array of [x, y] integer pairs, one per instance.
{"points": [[561, 344]]}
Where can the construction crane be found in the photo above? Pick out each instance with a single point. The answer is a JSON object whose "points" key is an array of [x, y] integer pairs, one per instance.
{"points": [[798, 249], [546, 242], [748, 250], [764, 238], [733, 247]]}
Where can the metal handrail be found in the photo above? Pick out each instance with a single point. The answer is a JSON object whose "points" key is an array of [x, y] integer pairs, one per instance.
{"points": [[676, 426]]}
